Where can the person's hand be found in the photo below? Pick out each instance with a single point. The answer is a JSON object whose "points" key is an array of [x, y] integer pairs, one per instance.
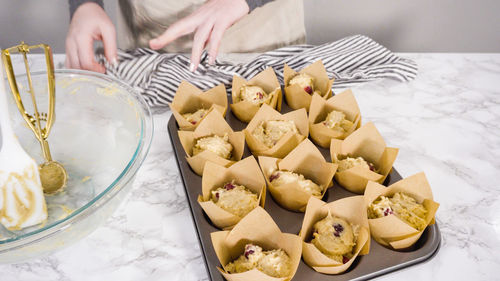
{"points": [[89, 23], [208, 23]]}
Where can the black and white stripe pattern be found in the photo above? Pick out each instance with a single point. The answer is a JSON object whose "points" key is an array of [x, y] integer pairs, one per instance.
{"points": [[351, 60]]}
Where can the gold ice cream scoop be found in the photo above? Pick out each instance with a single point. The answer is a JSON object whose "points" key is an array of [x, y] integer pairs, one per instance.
{"points": [[53, 176]]}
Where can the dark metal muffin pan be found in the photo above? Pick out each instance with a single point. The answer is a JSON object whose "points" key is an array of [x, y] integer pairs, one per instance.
{"points": [[379, 261]]}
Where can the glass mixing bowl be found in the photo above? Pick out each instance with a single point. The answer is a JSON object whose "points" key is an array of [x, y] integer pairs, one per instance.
{"points": [[102, 133]]}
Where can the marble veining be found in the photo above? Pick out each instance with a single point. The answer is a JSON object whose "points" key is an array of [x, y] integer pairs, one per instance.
{"points": [[446, 123]]}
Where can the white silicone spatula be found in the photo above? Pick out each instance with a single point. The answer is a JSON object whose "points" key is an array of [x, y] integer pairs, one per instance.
{"points": [[22, 202]]}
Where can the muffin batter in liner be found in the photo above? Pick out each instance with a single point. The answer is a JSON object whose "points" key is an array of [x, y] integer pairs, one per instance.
{"points": [[259, 229], [352, 210], [287, 143], [391, 231], [188, 99], [267, 80], [366, 142], [319, 110], [297, 97], [305, 159], [212, 124], [245, 172]]}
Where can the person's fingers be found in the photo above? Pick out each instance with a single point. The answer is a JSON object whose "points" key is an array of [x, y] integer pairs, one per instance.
{"points": [[182, 27], [200, 38], [72, 60], [109, 41], [214, 41], [67, 64], [86, 55]]}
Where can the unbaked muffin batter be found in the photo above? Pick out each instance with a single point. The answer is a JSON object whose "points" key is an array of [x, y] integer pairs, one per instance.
{"points": [[335, 120], [236, 199], [401, 205], [305, 81], [275, 263], [270, 132], [350, 162], [254, 94], [216, 144], [284, 177], [335, 238], [195, 117]]}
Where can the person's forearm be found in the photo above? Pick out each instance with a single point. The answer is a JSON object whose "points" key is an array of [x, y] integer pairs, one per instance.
{"points": [[252, 4], [74, 4]]}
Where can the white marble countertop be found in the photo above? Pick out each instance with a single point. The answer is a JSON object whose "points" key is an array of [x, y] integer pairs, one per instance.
{"points": [[446, 123]]}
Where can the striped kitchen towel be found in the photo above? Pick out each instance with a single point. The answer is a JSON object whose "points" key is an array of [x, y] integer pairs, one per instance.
{"points": [[351, 60]]}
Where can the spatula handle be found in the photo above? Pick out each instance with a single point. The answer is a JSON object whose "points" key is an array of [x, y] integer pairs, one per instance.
{"points": [[6, 127]]}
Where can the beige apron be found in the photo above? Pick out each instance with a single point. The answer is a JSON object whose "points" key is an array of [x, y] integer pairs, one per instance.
{"points": [[276, 24]]}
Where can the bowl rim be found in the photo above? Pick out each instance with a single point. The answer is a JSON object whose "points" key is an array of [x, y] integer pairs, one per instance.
{"points": [[112, 189]]}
